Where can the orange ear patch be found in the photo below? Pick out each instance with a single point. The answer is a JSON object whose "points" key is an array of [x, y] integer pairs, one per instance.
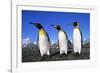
{"points": [[42, 32]]}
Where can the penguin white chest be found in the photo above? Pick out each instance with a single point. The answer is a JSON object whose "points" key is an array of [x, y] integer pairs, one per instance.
{"points": [[43, 44], [77, 40], [62, 42]]}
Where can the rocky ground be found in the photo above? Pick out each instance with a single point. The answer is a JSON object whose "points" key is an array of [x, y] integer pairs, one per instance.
{"points": [[33, 55]]}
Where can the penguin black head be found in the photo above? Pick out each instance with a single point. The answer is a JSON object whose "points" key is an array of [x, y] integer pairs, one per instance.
{"points": [[38, 25], [57, 27], [76, 24]]}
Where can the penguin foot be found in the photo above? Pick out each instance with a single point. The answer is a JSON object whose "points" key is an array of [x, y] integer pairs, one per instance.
{"points": [[69, 52], [77, 54], [48, 56], [62, 55], [54, 54], [44, 57]]}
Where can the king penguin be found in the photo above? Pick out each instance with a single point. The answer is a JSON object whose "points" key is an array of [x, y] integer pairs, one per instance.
{"points": [[43, 40], [77, 38], [62, 40]]}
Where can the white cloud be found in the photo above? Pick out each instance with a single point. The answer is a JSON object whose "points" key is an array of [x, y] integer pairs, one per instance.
{"points": [[35, 43], [25, 42]]}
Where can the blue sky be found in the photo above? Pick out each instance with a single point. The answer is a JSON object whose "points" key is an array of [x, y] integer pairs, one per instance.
{"points": [[64, 19]]}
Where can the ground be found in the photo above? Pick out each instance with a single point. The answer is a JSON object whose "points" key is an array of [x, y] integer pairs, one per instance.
{"points": [[33, 55]]}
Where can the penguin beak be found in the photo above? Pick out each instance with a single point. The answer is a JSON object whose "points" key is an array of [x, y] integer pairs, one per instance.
{"points": [[38, 25], [56, 27]]}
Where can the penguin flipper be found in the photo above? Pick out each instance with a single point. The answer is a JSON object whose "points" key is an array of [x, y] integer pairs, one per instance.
{"points": [[66, 35], [81, 37], [38, 44], [58, 44], [48, 39]]}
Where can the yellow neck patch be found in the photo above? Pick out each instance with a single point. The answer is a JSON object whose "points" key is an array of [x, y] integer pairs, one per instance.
{"points": [[42, 32], [76, 29]]}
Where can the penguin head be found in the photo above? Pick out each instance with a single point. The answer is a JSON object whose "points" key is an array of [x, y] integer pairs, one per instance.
{"points": [[41, 29], [38, 25], [76, 24], [56, 27]]}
